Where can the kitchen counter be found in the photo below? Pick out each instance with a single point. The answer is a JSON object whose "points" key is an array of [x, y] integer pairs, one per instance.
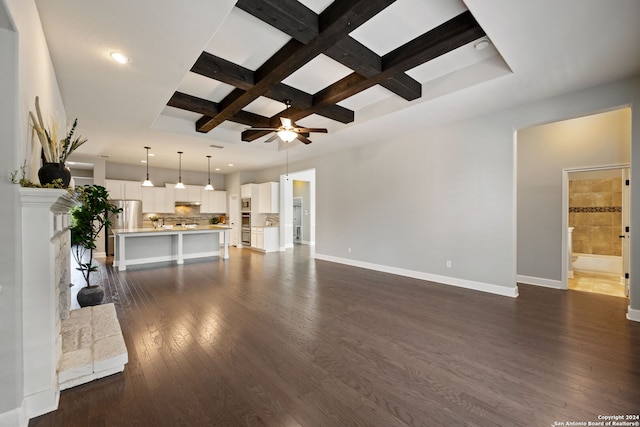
{"points": [[147, 245]]}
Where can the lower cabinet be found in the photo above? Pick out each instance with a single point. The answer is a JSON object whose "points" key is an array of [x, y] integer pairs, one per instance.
{"points": [[265, 239]]}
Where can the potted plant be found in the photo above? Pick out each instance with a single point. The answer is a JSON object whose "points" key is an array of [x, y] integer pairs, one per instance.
{"points": [[88, 218], [54, 151]]}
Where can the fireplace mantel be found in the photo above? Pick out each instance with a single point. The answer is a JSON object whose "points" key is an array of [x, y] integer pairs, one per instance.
{"points": [[45, 299]]}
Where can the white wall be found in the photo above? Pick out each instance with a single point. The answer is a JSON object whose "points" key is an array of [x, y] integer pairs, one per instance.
{"points": [[25, 71], [448, 193], [10, 291], [543, 152]]}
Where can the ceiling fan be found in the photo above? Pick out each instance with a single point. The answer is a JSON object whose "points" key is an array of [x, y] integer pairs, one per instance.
{"points": [[288, 131]]}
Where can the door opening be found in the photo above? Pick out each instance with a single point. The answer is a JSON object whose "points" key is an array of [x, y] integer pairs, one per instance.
{"points": [[297, 219], [596, 217]]}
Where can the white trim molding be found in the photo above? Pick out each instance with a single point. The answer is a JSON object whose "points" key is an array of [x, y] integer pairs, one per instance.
{"points": [[539, 281], [15, 418], [453, 281], [633, 314]]}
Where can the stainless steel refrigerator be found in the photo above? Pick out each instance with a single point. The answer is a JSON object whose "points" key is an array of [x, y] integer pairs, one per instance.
{"points": [[129, 218]]}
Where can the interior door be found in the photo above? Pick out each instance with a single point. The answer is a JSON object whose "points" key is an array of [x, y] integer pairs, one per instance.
{"points": [[625, 232]]}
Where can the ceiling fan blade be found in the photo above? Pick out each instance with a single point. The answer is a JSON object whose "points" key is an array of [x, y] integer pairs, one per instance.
{"points": [[286, 123], [307, 130], [272, 138], [304, 139], [261, 129]]}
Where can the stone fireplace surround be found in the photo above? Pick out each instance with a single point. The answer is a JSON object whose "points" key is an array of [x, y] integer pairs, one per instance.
{"points": [[61, 349]]}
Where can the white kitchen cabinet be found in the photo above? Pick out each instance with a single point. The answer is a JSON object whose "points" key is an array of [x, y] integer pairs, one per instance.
{"points": [[170, 198], [154, 200], [213, 201], [266, 239], [249, 191], [121, 189], [191, 193], [257, 238], [269, 197], [133, 190], [115, 187]]}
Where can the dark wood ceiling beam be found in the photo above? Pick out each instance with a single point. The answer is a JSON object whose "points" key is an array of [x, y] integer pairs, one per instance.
{"points": [[289, 16], [227, 72], [224, 71], [353, 54], [335, 23], [451, 35], [296, 20], [193, 103], [210, 108]]}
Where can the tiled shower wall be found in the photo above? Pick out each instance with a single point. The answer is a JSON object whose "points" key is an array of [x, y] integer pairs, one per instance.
{"points": [[595, 212]]}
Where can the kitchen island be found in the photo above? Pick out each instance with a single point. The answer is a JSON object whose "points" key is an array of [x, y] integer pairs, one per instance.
{"points": [[147, 245]]}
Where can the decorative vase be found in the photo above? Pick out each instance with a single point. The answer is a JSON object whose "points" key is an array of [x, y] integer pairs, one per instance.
{"points": [[51, 171], [90, 295]]}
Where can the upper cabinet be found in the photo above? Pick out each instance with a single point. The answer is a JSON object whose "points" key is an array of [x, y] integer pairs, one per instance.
{"points": [[126, 190], [249, 191], [191, 193], [154, 200], [213, 201], [268, 197]]}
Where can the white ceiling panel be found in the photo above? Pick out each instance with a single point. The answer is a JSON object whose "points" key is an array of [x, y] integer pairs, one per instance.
{"points": [[317, 74], [245, 40], [204, 87], [403, 21]]}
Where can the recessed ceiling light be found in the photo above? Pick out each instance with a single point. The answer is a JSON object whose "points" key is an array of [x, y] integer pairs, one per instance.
{"points": [[143, 161], [481, 44], [151, 154], [217, 169], [230, 164], [118, 57]]}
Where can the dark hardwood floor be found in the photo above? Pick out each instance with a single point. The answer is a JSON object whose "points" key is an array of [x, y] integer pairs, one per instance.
{"points": [[281, 339]]}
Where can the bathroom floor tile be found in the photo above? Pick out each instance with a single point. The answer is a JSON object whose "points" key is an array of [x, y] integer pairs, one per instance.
{"points": [[599, 283]]}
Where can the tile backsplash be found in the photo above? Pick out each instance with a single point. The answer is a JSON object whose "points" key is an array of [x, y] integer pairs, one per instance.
{"points": [[184, 214]]}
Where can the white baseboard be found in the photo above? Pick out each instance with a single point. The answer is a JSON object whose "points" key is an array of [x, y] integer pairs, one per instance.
{"points": [[42, 402], [15, 418], [539, 281], [453, 281], [633, 314]]}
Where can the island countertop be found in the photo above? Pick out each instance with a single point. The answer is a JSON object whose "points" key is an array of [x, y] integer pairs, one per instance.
{"points": [[199, 228], [148, 245]]}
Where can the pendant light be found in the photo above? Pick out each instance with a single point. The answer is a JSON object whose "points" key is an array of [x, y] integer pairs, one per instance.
{"points": [[146, 182], [209, 187], [180, 185]]}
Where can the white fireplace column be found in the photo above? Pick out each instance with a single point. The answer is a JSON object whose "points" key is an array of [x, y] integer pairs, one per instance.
{"points": [[45, 292]]}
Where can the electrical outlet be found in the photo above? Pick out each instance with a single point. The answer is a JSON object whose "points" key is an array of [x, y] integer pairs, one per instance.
{"points": [[448, 264]]}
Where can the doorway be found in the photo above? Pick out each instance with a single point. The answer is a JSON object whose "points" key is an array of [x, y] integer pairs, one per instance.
{"points": [[301, 184], [597, 213], [297, 220]]}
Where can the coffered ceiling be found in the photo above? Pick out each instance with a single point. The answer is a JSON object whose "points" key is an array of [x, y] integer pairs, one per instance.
{"points": [[201, 71]]}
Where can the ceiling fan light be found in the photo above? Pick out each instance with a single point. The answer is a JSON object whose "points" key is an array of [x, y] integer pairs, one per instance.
{"points": [[287, 135]]}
